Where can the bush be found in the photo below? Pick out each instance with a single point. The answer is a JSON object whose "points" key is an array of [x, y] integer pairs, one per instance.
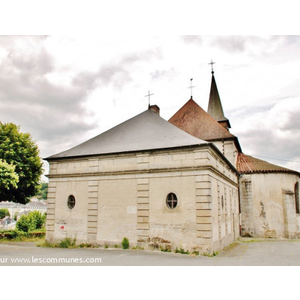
{"points": [[25, 224], [9, 234], [21, 235], [34, 220], [125, 243], [67, 243]]}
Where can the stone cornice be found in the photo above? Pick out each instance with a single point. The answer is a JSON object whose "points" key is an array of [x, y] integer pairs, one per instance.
{"points": [[143, 171]]}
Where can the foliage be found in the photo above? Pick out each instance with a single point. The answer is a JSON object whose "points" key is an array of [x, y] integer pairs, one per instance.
{"points": [[34, 220], [182, 251], [8, 177], [8, 234], [15, 235], [4, 212], [86, 245], [138, 248], [38, 218], [25, 224], [18, 149], [215, 253], [125, 243], [67, 242], [165, 249], [42, 191]]}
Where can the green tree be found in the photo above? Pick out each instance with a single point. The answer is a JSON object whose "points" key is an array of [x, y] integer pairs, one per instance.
{"points": [[20, 150], [37, 218], [8, 176], [42, 191], [4, 212]]}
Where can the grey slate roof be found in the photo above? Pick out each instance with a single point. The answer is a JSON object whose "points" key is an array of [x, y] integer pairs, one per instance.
{"points": [[146, 131]]}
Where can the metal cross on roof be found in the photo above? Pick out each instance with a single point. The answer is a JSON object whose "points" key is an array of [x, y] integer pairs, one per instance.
{"points": [[212, 66], [149, 98], [191, 87]]}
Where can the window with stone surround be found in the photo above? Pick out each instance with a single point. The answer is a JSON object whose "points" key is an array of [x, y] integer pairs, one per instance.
{"points": [[71, 201], [171, 201]]}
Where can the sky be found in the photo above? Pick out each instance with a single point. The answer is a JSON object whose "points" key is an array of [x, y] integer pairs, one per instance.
{"points": [[65, 89]]}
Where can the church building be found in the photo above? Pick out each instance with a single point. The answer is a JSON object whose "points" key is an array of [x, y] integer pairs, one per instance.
{"points": [[146, 180], [268, 194], [183, 183]]}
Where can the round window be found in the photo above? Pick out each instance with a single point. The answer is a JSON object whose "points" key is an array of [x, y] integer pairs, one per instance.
{"points": [[171, 200], [71, 201]]}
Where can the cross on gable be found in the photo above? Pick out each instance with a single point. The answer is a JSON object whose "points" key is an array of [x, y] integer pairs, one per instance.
{"points": [[191, 87], [212, 66], [149, 98]]}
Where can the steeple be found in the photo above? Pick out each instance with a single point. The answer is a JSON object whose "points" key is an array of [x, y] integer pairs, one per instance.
{"points": [[215, 108]]}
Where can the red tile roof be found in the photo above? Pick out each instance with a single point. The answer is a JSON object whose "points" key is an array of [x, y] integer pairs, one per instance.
{"points": [[192, 119], [248, 164]]}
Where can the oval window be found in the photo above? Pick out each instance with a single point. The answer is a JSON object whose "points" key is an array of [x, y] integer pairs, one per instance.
{"points": [[171, 200], [71, 201]]}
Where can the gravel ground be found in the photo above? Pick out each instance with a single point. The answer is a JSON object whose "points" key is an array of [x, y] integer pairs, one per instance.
{"points": [[245, 252]]}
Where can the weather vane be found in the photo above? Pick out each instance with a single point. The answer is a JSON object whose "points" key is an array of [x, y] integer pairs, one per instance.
{"points": [[149, 98], [191, 87], [212, 66]]}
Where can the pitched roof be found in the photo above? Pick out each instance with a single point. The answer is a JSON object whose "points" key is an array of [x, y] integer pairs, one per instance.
{"points": [[194, 120], [247, 164], [215, 108], [146, 131], [35, 204]]}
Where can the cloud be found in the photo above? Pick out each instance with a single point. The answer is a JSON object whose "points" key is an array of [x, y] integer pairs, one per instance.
{"points": [[49, 111], [269, 48], [272, 133], [116, 73], [48, 99], [231, 43], [192, 39]]}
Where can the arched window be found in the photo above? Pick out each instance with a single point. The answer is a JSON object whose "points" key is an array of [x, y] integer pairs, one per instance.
{"points": [[71, 201], [297, 198], [171, 200]]}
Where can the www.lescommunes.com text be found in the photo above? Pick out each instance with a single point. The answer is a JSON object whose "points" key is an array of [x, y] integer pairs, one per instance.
{"points": [[50, 260]]}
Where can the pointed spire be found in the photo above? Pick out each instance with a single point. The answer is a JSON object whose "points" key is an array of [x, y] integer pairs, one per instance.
{"points": [[215, 108]]}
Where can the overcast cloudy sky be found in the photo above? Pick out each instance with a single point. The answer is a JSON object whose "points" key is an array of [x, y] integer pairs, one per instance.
{"points": [[66, 89]]}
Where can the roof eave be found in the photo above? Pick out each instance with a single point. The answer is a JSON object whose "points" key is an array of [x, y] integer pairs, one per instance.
{"points": [[270, 171], [224, 158], [233, 138], [122, 152]]}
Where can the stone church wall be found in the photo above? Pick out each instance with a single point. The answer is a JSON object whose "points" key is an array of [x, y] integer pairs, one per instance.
{"points": [[125, 195], [226, 210], [228, 149], [268, 205]]}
